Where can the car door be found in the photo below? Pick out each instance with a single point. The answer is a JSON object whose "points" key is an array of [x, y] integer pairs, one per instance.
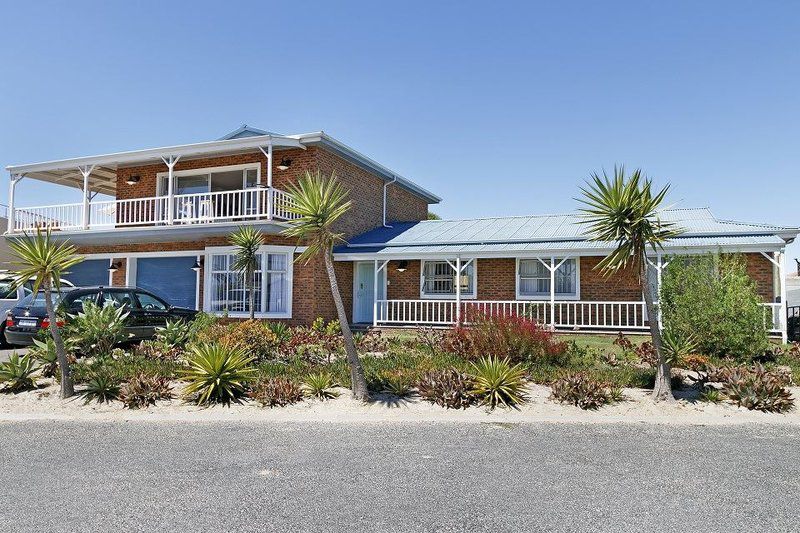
{"points": [[155, 310], [136, 325]]}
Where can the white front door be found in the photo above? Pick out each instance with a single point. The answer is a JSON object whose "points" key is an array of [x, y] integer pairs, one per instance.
{"points": [[364, 290]]}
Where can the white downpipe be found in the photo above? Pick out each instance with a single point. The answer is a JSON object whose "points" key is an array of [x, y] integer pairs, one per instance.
{"points": [[171, 162], [385, 187]]}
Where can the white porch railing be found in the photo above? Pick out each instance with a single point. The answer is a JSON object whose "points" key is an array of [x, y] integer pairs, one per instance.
{"points": [[563, 314], [199, 208], [773, 317]]}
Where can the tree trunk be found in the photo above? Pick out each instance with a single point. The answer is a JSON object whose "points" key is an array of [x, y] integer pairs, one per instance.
{"points": [[358, 381], [662, 390], [251, 282], [67, 389]]}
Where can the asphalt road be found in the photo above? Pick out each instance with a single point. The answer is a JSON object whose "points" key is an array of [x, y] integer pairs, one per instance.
{"points": [[67, 476]]}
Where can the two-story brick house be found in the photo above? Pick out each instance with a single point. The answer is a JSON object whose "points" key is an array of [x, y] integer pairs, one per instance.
{"points": [[166, 226]]}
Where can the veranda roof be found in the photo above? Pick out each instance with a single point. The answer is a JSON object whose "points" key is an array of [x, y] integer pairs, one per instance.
{"points": [[552, 234]]}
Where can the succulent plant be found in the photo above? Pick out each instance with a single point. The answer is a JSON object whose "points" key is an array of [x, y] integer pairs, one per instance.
{"points": [[448, 388], [320, 385], [18, 373], [217, 373], [581, 390], [144, 390], [278, 392], [101, 388], [497, 382]]}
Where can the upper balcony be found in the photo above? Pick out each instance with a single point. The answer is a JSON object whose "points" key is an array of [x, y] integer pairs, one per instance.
{"points": [[257, 203]]}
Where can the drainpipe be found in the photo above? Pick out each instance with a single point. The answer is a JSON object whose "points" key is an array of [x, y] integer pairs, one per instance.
{"points": [[386, 186]]}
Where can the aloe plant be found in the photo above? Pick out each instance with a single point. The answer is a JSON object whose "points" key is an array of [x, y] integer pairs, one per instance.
{"points": [[18, 373], [498, 382], [217, 373]]}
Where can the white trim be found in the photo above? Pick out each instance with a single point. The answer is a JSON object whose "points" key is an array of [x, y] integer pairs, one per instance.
{"points": [[546, 297], [463, 296], [289, 250]]}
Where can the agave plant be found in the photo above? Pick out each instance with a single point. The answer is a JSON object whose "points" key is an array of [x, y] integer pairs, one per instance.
{"points": [[677, 345], [101, 388], [320, 385], [174, 334], [44, 352], [217, 373], [18, 373], [398, 384], [96, 330], [498, 382], [281, 331]]}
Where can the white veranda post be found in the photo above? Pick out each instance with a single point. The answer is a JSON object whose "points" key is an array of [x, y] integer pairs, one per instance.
{"points": [[379, 266], [458, 268], [12, 187], [85, 172], [268, 154], [171, 161], [659, 267], [552, 267], [779, 260]]}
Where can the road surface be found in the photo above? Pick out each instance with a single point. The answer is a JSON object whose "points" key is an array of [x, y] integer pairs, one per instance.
{"points": [[148, 476]]}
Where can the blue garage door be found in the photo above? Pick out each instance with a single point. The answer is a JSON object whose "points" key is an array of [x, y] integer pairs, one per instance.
{"points": [[170, 278], [89, 272]]}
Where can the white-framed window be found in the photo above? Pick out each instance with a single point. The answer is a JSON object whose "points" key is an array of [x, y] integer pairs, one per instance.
{"points": [[211, 179], [533, 279], [438, 280], [226, 289]]}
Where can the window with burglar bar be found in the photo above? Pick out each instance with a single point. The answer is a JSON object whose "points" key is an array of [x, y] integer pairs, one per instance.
{"points": [[534, 278], [439, 279]]}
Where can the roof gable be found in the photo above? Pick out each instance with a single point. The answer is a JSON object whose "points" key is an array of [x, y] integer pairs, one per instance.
{"points": [[245, 131]]}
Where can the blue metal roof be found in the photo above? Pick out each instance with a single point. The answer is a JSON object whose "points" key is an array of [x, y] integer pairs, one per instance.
{"points": [[552, 232]]}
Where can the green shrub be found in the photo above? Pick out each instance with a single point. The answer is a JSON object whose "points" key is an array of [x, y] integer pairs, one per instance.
{"points": [[320, 385], [280, 392], [713, 299], [155, 349], [101, 388], [96, 330], [498, 382], [124, 367], [254, 336], [18, 373], [581, 390], [144, 390], [449, 388], [281, 331], [175, 334], [217, 373], [757, 389]]}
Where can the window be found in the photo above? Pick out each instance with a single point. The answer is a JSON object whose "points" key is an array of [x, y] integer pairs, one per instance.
{"points": [[228, 291], [533, 279], [439, 278], [148, 301], [118, 299]]}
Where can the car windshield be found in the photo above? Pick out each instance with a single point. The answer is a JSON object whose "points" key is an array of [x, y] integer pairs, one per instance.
{"points": [[37, 300]]}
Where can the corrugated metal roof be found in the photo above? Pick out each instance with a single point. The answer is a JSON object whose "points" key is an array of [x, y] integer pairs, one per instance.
{"points": [[549, 233]]}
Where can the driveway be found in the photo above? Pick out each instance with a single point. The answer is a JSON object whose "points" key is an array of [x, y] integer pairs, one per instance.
{"points": [[147, 476], [5, 352]]}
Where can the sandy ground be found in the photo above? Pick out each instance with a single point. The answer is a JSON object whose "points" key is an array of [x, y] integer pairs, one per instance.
{"points": [[44, 404]]}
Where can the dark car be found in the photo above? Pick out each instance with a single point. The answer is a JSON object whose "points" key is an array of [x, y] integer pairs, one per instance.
{"points": [[146, 311]]}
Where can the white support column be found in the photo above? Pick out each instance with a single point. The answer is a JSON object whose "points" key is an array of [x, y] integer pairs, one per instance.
{"points": [[552, 269], [458, 290], [85, 172], [12, 187], [171, 162], [659, 267], [782, 280], [375, 295]]}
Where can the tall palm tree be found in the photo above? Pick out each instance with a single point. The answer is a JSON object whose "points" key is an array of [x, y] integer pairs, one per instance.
{"points": [[624, 210], [44, 261], [319, 202], [247, 241]]}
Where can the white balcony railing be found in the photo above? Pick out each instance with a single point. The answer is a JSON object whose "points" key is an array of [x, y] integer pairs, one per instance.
{"points": [[565, 314], [562, 314], [199, 208]]}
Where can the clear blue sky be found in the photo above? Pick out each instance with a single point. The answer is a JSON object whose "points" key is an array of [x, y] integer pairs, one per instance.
{"points": [[500, 109]]}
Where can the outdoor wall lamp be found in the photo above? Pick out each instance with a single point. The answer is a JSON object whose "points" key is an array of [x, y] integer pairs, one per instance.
{"points": [[285, 163], [402, 266], [197, 266], [133, 180], [113, 267]]}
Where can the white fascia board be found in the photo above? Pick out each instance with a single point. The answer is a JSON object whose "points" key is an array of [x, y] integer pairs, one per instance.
{"points": [[155, 154], [320, 137]]}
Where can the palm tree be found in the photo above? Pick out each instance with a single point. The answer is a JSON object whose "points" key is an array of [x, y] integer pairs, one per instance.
{"points": [[319, 202], [44, 261], [623, 210], [247, 241]]}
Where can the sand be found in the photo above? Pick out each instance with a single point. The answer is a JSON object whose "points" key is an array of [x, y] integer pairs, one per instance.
{"points": [[44, 404]]}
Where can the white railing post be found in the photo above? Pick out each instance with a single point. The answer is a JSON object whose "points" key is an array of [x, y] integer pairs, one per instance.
{"points": [[171, 162]]}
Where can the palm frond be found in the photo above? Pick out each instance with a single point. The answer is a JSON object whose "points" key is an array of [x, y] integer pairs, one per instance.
{"points": [[40, 259]]}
